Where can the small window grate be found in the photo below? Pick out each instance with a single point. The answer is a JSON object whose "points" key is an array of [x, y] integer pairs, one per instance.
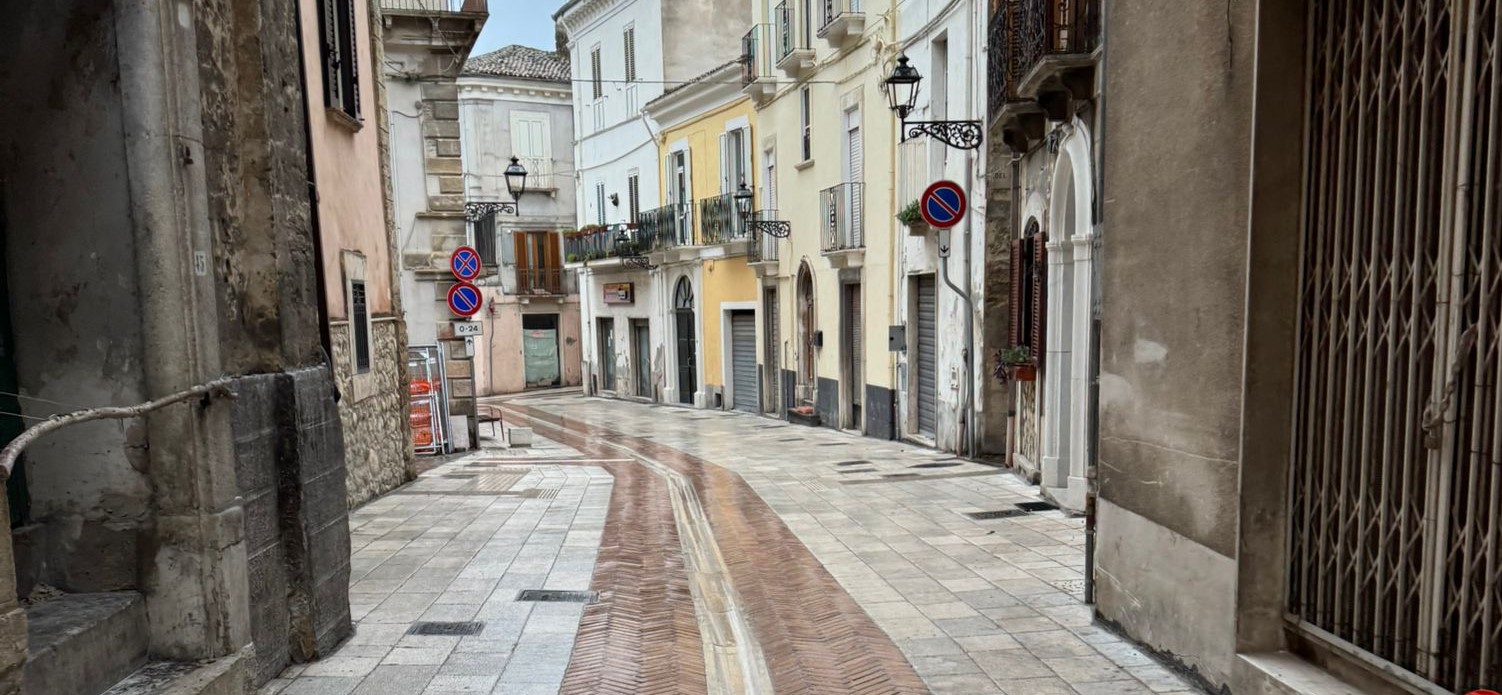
{"points": [[998, 514], [552, 596], [447, 629], [1037, 506]]}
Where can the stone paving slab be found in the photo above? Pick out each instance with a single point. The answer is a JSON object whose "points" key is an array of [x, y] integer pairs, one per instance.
{"points": [[977, 606], [457, 545]]}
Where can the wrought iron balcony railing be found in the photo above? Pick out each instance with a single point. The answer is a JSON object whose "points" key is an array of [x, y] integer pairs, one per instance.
{"points": [[844, 217], [670, 226], [545, 281], [788, 39], [832, 11], [588, 244], [433, 6], [1023, 33], [764, 247], [719, 220], [756, 55]]}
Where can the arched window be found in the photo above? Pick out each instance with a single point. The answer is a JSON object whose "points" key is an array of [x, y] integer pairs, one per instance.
{"points": [[683, 296]]}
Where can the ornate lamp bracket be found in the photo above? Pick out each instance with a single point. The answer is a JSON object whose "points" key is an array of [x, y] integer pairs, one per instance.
{"points": [[964, 135], [780, 229], [475, 212], [638, 262]]}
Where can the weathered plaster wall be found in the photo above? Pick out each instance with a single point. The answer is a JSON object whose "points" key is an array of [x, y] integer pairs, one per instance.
{"points": [[73, 288], [705, 33], [373, 413], [728, 280], [1177, 182], [503, 371]]}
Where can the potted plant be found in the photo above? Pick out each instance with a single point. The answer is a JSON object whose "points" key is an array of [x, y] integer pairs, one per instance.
{"points": [[1016, 361], [913, 220]]}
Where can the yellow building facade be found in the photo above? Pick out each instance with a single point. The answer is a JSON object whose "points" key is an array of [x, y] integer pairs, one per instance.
{"points": [[706, 146], [814, 72]]}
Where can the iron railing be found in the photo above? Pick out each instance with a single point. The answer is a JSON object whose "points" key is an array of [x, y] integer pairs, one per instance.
{"points": [[789, 38], [545, 281], [669, 226], [835, 9], [756, 54], [1023, 33], [719, 220], [588, 244], [764, 247], [844, 218], [433, 6]]}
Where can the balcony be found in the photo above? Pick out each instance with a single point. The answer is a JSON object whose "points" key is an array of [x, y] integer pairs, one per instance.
{"points": [[540, 177], [719, 221], [844, 224], [545, 282], [757, 80], [1042, 57], [666, 229], [794, 56], [590, 243], [763, 254], [432, 7], [841, 22]]}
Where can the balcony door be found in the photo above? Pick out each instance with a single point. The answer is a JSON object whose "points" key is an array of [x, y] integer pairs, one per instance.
{"points": [[855, 173], [681, 195], [538, 267], [688, 341]]}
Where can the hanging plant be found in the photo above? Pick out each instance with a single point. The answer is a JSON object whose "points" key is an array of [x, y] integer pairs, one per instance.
{"points": [[910, 216]]}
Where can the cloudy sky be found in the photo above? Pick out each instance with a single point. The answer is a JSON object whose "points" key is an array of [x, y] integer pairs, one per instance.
{"points": [[527, 22]]}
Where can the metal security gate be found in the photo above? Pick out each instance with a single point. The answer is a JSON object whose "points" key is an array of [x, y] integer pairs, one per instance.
{"points": [[773, 353], [927, 356], [1396, 482], [688, 342], [855, 375], [743, 360]]}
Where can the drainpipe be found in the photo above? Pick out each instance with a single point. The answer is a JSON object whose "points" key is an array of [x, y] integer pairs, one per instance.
{"points": [[969, 326], [1093, 381]]}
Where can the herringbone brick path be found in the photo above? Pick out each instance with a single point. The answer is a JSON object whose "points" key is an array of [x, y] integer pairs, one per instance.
{"points": [[815, 638]]}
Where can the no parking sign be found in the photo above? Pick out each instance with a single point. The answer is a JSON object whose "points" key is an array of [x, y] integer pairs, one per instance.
{"points": [[943, 205]]}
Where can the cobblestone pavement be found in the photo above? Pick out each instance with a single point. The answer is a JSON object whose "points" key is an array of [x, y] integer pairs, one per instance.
{"points": [[735, 554]]}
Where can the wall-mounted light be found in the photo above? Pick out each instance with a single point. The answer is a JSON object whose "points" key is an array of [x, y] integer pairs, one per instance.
{"points": [[902, 96]]}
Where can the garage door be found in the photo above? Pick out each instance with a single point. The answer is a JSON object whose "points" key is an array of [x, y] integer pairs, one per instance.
{"points": [[743, 360], [927, 357]]}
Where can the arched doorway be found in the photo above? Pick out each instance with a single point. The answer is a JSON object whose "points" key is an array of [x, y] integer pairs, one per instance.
{"points": [[805, 335], [688, 343]]}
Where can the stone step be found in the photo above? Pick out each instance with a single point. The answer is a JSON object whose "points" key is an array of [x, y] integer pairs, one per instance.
{"points": [[227, 676], [81, 644]]}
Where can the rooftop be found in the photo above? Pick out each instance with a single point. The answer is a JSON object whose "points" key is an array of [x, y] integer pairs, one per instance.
{"points": [[521, 61]]}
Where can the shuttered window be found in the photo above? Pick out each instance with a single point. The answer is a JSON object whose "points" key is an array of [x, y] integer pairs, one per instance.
{"points": [[807, 129], [598, 88], [1027, 293], [629, 41], [485, 241], [341, 77], [359, 320], [600, 203], [633, 195]]}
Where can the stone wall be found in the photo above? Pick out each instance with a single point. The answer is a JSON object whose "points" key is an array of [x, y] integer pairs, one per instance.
{"points": [[373, 412], [996, 317]]}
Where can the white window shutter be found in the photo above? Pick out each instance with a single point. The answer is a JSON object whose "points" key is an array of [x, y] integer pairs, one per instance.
{"points": [[727, 168]]}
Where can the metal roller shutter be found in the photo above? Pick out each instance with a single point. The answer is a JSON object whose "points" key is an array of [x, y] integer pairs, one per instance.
{"points": [[927, 356], [743, 360]]}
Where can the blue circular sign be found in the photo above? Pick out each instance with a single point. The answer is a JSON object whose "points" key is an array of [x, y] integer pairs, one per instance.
{"points": [[465, 262], [465, 299], [943, 204]]}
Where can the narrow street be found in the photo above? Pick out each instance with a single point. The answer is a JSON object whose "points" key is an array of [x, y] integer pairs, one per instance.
{"points": [[729, 554]]}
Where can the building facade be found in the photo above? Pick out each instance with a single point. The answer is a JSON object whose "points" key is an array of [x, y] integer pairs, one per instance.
{"points": [[517, 102], [624, 54], [424, 45], [814, 72], [357, 250]]}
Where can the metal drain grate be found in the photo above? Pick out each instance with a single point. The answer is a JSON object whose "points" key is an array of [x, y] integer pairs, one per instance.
{"points": [[1037, 506], [551, 595], [902, 475], [848, 471], [461, 476], [853, 463], [791, 439], [447, 629], [998, 514], [934, 465]]}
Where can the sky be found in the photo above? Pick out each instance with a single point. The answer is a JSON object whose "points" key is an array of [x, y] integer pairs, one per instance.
{"points": [[527, 22]]}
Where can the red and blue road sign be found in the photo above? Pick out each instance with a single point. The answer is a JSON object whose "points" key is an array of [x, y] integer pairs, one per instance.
{"points": [[943, 205], [465, 262], [465, 299]]}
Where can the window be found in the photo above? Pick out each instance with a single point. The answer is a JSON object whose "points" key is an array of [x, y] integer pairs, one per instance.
{"points": [[594, 65], [1028, 278], [633, 195], [735, 156], [341, 76], [600, 202], [531, 143], [769, 180], [629, 39], [359, 320], [485, 239], [808, 145]]}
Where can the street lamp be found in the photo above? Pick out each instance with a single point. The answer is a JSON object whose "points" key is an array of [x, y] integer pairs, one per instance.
{"points": [[902, 96], [516, 179], [629, 250], [780, 229]]}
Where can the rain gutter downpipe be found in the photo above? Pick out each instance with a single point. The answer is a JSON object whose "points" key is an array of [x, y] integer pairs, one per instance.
{"points": [[1092, 383]]}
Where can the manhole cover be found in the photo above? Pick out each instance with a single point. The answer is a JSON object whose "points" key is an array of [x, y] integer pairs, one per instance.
{"points": [[449, 629], [999, 514], [934, 465], [1036, 506], [550, 595]]}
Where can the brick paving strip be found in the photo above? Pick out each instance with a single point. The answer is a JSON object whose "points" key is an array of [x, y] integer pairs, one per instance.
{"points": [[813, 636]]}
